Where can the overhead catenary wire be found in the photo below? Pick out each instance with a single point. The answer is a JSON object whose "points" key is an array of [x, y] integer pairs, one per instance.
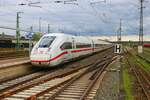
{"points": [[63, 19], [97, 14], [68, 1], [78, 26], [87, 11], [94, 12], [55, 13]]}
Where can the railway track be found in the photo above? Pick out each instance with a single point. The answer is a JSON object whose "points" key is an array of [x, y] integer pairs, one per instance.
{"points": [[10, 87], [143, 79], [15, 88], [12, 90], [148, 51], [80, 87], [10, 84], [148, 61]]}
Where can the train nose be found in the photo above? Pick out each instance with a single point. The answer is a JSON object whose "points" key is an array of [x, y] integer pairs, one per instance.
{"points": [[40, 57], [42, 60]]}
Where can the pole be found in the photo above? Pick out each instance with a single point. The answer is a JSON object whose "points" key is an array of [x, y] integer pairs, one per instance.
{"points": [[18, 32], [119, 32], [30, 40], [40, 24], [141, 23], [140, 48], [48, 28]]}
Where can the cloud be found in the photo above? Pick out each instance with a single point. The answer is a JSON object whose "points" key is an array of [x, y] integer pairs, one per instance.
{"points": [[100, 18]]}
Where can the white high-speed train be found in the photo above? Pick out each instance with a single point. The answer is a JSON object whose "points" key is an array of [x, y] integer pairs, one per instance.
{"points": [[57, 48]]}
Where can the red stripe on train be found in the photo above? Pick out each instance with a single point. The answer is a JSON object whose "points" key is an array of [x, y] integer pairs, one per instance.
{"points": [[74, 51], [63, 53]]}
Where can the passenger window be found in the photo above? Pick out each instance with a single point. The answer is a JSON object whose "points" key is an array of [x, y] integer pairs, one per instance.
{"points": [[66, 45], [98, 45], [82, 45]]}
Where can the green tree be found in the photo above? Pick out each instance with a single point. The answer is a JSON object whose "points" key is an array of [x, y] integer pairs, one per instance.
{"points": [[36, 36]]}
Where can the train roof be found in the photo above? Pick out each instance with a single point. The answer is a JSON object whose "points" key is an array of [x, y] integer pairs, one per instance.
{"points": [[57, 34], [78, 37]]}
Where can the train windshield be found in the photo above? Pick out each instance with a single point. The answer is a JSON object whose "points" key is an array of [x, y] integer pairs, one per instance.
{"points": [[46, 41]]}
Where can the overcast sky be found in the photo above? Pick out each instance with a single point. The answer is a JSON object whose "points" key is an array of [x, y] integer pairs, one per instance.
{"points": [[88, 17]]}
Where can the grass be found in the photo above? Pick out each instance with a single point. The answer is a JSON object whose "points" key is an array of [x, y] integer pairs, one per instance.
{"points": [[146, 65], [148, 49], [127, 79]]}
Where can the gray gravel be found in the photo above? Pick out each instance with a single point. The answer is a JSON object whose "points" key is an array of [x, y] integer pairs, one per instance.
{"points": [[109, 88]]}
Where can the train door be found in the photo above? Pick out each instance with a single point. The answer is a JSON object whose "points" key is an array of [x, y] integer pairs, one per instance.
{"points": [[70, 47], [66, 47]]}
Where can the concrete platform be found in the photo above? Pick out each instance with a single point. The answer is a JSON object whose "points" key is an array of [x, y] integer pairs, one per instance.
{"points": [[13, 62]]}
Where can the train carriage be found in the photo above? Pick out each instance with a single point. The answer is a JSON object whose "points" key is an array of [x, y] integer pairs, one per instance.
{"points": [[147, 45], [57, 48]]}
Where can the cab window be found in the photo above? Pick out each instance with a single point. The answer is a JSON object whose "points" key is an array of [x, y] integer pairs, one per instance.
{"points": [[46, 41]]}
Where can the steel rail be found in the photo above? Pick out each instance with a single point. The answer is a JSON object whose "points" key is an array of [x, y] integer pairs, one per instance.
{"points": [[91, 84], [148, 61], [19, 81], [40, 80], [144, 77], [141, 84], [33, 97], [132, 66]]}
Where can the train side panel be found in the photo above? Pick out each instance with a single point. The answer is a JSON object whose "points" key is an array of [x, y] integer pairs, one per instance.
{"points": [[60, 52], [63, 49], [83, 46]]}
